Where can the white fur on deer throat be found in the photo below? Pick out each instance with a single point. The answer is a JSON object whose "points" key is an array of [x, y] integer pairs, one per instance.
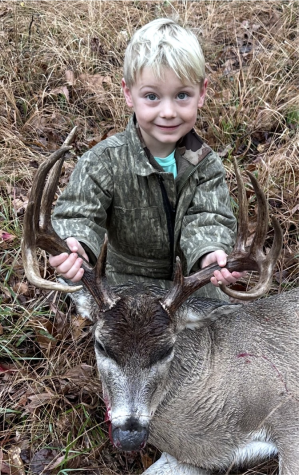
{"points": [[84, 306]]}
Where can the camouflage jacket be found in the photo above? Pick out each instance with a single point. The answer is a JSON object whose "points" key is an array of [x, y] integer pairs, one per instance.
{"points": [[115, 189]]}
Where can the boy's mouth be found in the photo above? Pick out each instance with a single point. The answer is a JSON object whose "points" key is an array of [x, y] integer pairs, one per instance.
{"points": [[168, 128]]}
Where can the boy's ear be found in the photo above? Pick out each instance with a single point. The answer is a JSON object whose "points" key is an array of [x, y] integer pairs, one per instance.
{"points": [[203, 93], [127, 93]]}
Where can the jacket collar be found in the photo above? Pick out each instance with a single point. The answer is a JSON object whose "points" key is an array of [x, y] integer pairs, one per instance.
{"points": [[140, 164], [192, 148]]}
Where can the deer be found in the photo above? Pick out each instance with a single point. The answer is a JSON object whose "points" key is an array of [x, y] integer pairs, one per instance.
{"points": [[211, 384]]}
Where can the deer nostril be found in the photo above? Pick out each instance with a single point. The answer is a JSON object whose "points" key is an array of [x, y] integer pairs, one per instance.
{"points": [[131, 436], [132, 424]]}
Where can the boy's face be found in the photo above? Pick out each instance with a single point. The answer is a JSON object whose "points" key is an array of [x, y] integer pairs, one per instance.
{"points": [[166, 109]]}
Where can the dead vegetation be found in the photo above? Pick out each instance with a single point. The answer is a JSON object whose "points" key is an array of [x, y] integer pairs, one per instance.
{"points": [[60, 66]]}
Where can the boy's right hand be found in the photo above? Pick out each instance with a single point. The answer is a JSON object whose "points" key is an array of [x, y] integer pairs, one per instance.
{"points": [[69, 265]]}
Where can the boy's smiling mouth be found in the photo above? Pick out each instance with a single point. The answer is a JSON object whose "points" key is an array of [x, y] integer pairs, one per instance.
{"points": [[168, 127]]}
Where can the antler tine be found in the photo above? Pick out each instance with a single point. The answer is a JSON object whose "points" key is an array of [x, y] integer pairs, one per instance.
{"points": [[51, 185], [108, 296], [241, 238], [239, 259], [176, 294], [256, 247], [32, 236]]}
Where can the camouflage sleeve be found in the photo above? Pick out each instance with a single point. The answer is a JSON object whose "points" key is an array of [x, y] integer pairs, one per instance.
{"points": [[81, 208], [209, 223]]}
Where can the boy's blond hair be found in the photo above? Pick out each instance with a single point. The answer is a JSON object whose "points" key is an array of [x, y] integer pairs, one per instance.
{"points": [[162, 43]]}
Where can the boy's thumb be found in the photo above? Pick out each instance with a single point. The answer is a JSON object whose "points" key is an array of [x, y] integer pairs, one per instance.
{"points": [[222, 260]]}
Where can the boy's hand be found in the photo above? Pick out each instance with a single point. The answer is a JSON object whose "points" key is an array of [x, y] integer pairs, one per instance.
{"points": [[223, 275], [69, 266]]}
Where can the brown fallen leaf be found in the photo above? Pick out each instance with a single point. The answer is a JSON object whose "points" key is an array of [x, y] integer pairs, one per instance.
{"points": [[22, 401], [78, 326], [20, 288], [39, 400], [45, 332], [4, 465], [42, 459], [94, 82], [60, 90], [95, 140], [70, 77], [147, 461], [56, 462], [80, 372]]}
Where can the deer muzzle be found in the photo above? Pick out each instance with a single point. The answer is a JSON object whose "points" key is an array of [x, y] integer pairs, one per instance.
{"points": [[131, 436]]}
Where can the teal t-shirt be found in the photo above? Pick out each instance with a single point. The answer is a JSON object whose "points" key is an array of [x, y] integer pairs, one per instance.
{"points": [[168, 163]]}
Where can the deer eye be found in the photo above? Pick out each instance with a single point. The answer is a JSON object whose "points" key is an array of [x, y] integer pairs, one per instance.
{"points": [[104, 351], [100, 347], [164, 354]]}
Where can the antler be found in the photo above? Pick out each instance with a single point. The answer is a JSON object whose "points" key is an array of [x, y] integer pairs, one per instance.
{"points": [[239, 259], [38, 232]]}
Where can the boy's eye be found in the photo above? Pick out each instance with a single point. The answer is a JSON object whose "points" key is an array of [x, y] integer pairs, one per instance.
{"points": [[182, 95], [151, 97]]}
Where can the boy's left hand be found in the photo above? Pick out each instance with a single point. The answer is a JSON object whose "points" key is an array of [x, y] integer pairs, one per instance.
{"points": [[223, 275]]}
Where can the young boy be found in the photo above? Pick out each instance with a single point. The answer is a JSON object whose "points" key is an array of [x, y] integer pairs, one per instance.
{"points": [[156, 189]]}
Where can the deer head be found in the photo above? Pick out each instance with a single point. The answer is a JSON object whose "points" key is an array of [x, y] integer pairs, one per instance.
{"points": [[136, 329]]}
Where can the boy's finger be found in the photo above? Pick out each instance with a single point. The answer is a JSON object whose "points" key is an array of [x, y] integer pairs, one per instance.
{"points": [[221, 257], [78, 276], [238, 274], [216, 282], [73, 244], [225, 277], [76, 247], [67, 265], [58, 259], [75, 273]]}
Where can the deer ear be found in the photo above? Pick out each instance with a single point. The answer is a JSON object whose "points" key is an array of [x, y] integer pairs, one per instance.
{"points": [[82, 300], [202, 313]]}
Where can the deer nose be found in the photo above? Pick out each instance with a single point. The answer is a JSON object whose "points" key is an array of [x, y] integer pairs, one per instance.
{"points": [[131, 436]]}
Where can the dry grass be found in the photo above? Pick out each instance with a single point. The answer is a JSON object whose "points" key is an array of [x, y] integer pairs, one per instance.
{"points": [[60, 66]]}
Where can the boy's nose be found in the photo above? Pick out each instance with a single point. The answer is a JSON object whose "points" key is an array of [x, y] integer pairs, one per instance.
{"points": [[168, 110]]}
